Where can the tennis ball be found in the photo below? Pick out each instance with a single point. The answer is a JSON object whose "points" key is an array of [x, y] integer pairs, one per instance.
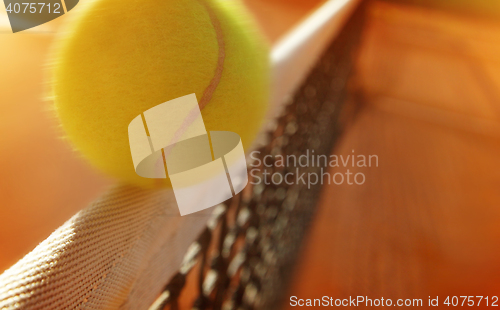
{"points": [[119, 58]]}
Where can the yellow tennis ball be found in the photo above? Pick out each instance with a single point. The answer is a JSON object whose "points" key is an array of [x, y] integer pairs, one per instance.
{"points": [[119, 58]]}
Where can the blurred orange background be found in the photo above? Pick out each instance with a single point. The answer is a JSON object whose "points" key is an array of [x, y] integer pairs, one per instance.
{"points": [[427, 220]]}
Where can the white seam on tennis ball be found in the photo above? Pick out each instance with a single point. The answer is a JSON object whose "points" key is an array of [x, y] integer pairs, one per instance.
{"points": [[212, 86], [214, 82]]}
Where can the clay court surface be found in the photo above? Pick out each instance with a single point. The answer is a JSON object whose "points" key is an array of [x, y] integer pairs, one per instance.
{"points": [[426, 220]]}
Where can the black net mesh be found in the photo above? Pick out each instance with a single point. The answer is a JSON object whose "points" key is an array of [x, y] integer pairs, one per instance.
{"points": [[244, 257]]}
